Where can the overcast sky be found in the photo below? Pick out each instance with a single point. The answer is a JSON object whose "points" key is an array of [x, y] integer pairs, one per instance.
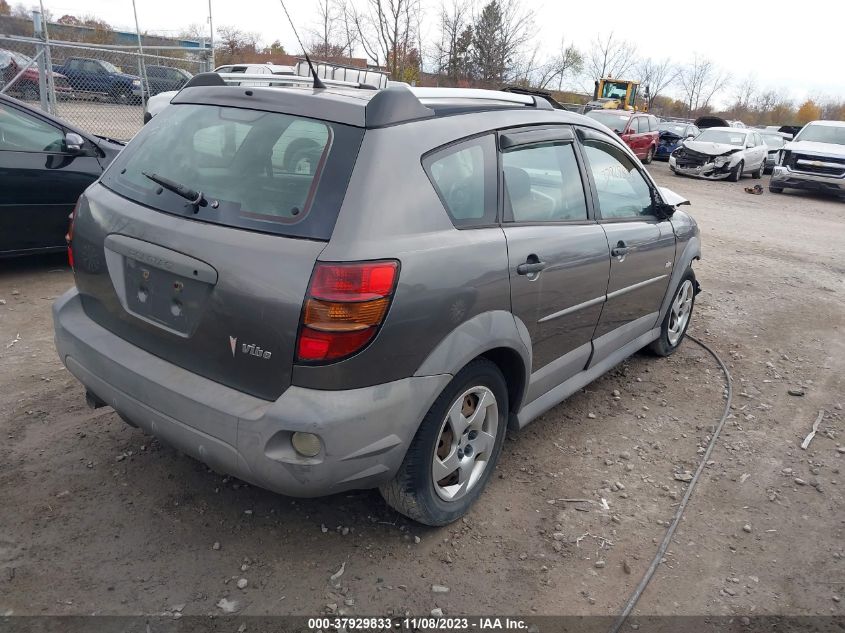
{"points": [[788, 48]]}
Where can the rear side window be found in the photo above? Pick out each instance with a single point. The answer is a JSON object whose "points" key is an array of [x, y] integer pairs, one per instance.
{"points": [[543, 184], [465, 179], [257, 170]]}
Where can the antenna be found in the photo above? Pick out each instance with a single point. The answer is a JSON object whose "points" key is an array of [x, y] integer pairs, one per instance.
{"points": [[317, 82]]}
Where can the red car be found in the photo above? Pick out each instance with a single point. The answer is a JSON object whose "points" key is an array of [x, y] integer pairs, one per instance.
{"points": [[637, 129], [26, 86]]}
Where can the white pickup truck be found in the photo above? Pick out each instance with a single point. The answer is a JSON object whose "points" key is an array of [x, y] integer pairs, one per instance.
{"points": [[814, 160]]}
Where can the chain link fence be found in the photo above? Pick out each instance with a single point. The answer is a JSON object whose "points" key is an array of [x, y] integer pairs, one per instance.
{"points": [[102, 90]]}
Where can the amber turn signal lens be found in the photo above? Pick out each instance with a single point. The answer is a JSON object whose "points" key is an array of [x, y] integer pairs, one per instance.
{"points": [[336, 316]]}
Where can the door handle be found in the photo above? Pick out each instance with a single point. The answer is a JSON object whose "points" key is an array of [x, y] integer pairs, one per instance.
{"points": [[532, 266], [620, 250]]}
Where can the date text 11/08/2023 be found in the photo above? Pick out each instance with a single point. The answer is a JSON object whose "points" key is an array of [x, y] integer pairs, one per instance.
{"points": [[433, 623]]}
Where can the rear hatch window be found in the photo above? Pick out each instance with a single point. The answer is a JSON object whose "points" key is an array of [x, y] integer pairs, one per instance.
{"points": [[262, 171]]}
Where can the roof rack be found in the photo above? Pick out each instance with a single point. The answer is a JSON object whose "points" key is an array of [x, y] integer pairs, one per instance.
{"points": [[543, 94], [479, 94], [397, 103], [259, 80]]}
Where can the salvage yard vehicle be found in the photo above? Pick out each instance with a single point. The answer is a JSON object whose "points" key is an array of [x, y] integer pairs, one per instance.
{"points": [[100, 78], [813, 161], [774, 143], [616, 94], [639, 131], [443, 265], [45, 164], [27, 85], [164, 78], [671, 135], [720, 153]]}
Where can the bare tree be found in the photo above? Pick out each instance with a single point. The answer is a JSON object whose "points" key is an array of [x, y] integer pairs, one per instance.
{"points": [[610, 57], [656, 76], [387, 31], [327, 40], [567, 62], [700, 80], [744, 97], [232, 44], [453, 48]]}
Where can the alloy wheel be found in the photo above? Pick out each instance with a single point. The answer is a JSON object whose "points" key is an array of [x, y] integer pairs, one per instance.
{"points": [[465, 443], [679, 312]]}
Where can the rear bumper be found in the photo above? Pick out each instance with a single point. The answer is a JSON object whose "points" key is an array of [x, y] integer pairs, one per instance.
{"points": [[364, 432], [787, 179]]}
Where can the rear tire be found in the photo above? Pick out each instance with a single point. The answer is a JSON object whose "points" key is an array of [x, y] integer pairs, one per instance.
{"points": [[649, 156], [759, 173], [775, 189], [478, 395], [678, 317], [736, 174]]}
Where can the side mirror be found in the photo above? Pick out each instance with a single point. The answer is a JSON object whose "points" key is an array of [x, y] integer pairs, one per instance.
{"points": [[73, 143]]}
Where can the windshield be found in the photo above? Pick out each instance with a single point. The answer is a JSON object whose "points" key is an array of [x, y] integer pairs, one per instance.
{"points": [[614, 90], [722, 136], [822, 134], [674, 128], [258, 170], [613, 119], [21, 60], [773, 140]]}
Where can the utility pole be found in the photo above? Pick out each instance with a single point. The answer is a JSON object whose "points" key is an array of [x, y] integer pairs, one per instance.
{"points": [[38, 29], [211, 28], [142, 67], [48, 61]]}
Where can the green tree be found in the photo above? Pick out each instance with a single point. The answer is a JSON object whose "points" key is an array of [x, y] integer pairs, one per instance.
{"points": [[489, 55]]}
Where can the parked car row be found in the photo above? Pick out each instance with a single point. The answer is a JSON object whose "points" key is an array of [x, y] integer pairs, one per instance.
{"points": [[78, 77], [27, 85]]}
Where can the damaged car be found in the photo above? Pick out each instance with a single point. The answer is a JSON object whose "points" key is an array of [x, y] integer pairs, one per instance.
{"points": [[814, 161], [671, 135], [774, 143], [720, 153]]}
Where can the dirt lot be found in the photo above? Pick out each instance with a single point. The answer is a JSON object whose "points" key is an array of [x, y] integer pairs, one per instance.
{"points": [[98, 518]]}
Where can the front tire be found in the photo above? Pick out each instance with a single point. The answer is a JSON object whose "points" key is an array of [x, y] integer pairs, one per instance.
{"points": [[675, 323], [455, 450], [736, 174]]}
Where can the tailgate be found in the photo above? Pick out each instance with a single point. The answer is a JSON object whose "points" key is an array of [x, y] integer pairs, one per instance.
{"points": [[221, 302]]}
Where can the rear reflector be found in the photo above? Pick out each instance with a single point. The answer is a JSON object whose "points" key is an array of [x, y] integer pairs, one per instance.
{"points": [[346, 305]]}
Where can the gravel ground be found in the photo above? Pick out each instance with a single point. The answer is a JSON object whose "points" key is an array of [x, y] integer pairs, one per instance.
{"points": [[99, 518]]}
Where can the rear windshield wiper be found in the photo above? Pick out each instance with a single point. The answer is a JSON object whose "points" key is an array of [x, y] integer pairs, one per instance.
{"points": [[196, 198]]}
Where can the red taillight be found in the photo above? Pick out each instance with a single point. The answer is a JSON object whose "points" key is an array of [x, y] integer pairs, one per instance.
{"points": [[345, 306], [69, 234]]}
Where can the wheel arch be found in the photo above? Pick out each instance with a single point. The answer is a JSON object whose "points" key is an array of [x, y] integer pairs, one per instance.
{"points": [[496, 335]]}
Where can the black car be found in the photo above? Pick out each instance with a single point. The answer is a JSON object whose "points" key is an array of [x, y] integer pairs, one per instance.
{"points": [[45, 163], [165, 78]]}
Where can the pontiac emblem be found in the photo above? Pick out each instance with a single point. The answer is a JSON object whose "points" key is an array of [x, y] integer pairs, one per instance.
{"points": [[233, 343]]}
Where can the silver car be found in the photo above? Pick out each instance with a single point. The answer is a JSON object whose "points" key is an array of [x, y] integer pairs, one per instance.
{"points": [[320, 290], [720, 153]]}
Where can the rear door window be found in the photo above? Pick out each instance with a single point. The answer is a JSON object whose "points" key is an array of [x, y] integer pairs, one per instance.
{"points": [[465, 179], [543, 184], [256, 170]]}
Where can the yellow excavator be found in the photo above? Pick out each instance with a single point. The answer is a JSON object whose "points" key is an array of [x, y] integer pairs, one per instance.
{"points": [[617, 94]]}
